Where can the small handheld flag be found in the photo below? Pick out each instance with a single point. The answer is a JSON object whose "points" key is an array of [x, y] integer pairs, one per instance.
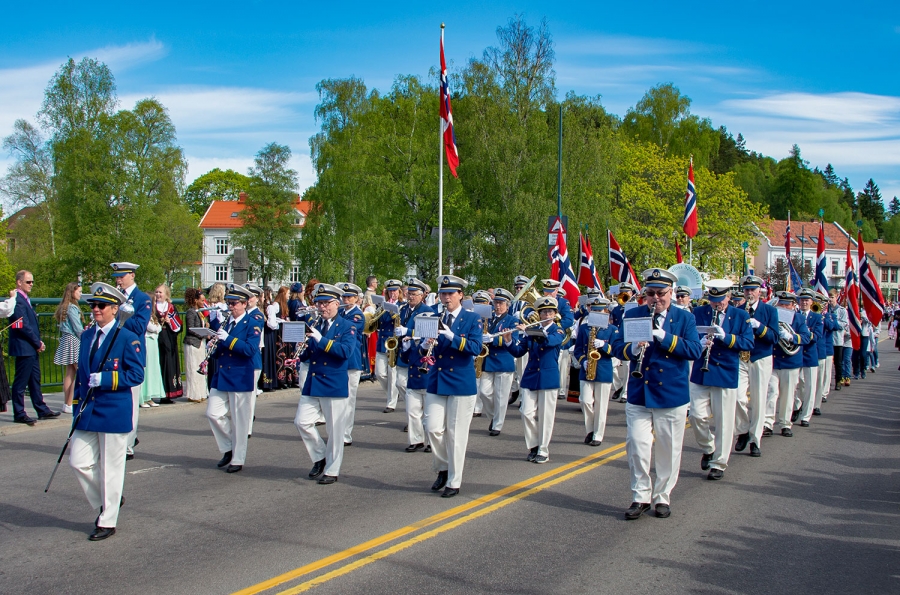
{"points": [[873, 300], [690, 204]]}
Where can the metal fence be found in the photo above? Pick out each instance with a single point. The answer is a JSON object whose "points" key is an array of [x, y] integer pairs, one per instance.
{"points": [[52, 374]]}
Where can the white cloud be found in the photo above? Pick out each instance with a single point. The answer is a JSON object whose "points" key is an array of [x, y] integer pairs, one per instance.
{"points": [[839, 108], [625, 46]]}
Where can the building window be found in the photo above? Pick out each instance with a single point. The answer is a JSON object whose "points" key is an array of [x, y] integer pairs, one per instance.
{"points": [[295, 274], [834, 268], [884, 275], [893, 275], [221, 245], [221, 272]]}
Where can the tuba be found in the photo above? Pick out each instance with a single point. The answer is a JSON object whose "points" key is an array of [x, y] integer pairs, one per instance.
{"points": [[816, 307], [527, 294], [787, 347]]}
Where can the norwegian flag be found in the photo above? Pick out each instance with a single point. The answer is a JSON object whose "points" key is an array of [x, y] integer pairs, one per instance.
{"points": [[851, 297], [792, 280], [17, 323], [872, 299], [690, 204], [619, 267], [821, 281], [561, 270], [447, 116], [678, 255], [587, 273]]}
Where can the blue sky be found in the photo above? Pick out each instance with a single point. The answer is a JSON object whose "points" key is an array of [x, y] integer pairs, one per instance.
{"points": [[236, 76]]}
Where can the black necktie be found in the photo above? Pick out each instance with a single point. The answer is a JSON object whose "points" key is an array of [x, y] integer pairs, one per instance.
{"points": [[655, 322], [229, 327], [449, 320], [717, 319], [96, 344], [751, 310]]}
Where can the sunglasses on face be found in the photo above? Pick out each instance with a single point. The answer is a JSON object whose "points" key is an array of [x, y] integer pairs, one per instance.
{"points": [[28, 282], [99, 306], [232, 303], [660, 293]]}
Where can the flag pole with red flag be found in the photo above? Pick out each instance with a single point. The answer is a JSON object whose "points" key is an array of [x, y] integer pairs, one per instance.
{"points": [[678, 255], [448, 144], [851, 297], [690, 210], [873, 300]]}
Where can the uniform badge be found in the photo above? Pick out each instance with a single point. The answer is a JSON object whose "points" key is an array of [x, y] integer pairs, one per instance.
{"points": [[115, 363]]}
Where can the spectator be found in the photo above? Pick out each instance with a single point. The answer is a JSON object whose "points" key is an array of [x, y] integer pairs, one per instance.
{"points": [[152, 386], [25, 345], [268, 379], [861, 355], [194, 347], [7, 307], [287, 375], [71, 324], [371, 290], [295, 301], [169, 366]]}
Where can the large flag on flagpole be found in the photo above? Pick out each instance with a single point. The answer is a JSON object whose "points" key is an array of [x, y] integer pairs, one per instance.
{"points": [[792, 280], [587, 272], [447, 116], [561, 270], [873, 300], [821, 281], [619, 267], [851, 301], [678, 255], [690, 204]]}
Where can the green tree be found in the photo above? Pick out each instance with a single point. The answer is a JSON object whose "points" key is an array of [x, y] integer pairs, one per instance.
{"points": [[894, 207], [794, 189], [214, 185], [871, 206], [268, 231]]}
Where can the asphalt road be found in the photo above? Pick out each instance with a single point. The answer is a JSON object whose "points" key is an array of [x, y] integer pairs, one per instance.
{"points": [[819, 512]]}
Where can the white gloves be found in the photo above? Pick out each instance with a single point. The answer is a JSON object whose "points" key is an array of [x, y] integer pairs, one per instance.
{"points": [[786, 334], [720, 332], [598, 343], [754, 323], [584, 364], [94, 380], [446, 333], [222, 334], [406, 343], [636, 349], [704, 341], [399, 331], [659, 334], [315, 334]]}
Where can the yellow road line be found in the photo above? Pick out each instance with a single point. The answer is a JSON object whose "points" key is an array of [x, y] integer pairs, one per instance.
{"points": [[442, 516], [443, 528]]}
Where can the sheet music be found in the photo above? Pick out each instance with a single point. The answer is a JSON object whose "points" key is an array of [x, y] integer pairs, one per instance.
{"points": [[392, 308], [785, 316], [203, 331], [598, 319], [426, 327], [293, 332], [484, 310], [636, 330]]}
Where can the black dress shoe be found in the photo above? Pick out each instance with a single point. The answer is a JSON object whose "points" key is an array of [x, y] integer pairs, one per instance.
{"points": [[704, 461], [786, 432], [388, 410], [494, 433], [636, 510], [450, 492], [532, 454], [406, 428], [440, 482], [327, 480], [588, 438], [25, 420], [715, 474], [233, 468], [742, 441], [50, 415], [318, 469], [166, 401], [838, 387], [663, 511], [226, 458], [767, 432], [415, 447], [804, 423], [476, 414], [101, 533], [795, 415], [514, 396], [136, 441], [348, 444], [817, 411], [320, 423], [594, 443], [427, 448], [754, 450], [129, 457]]}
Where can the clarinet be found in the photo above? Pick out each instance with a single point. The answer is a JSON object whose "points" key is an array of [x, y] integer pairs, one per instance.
{"points": [[709, 336], [636, 373]]}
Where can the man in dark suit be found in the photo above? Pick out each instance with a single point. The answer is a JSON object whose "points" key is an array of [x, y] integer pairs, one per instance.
{"points": [[25, 345]]}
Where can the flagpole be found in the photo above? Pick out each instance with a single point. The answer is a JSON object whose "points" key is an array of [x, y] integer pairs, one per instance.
{"points": [[441, 184]]}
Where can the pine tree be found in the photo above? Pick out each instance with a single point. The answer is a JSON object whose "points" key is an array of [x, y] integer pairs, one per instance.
{"points": [[895, 207], [830, 176]]}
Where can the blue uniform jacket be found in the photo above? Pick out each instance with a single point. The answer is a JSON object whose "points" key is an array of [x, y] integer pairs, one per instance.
{"points": [[616, 314], [499, 358], [816, 329], [356, 318], [780, 360], [764, 337], [566, 319], [831, 324], [26, 340], [665, 382], [138, 321], [454, 371], [328, 360], [412, 357], [724, 360], [109, 408], [260, 318], [236, 356], [604, 364], [385, 329], [542, 371], [407, 315]]}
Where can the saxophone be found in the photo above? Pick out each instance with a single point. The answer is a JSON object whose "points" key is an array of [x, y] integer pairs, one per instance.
{"points": [[479, 360], [593, 356]]}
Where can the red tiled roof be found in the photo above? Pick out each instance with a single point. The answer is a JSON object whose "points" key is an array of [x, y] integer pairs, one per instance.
{"points": [[224, 214], [775, 231], [891, 256]]}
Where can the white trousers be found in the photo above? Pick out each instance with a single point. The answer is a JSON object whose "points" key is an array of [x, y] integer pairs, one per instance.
{"points": [[493, 391], [806, 391], [718, 404], [401, 377], [785, 386], [771, 400], [823, 382], [302, 373], [752, 394], [668, 427], [98, 460], [415, 416], [229, 416], [447, 421], [620, 378], [335, 411], [387, 378], [256, 391], [352, 388], [594, 399], [538, 409], [136, 407], [521, 363], [565, 364]]}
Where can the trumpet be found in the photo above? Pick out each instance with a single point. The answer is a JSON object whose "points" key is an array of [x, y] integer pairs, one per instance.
{"points": [[816, 307], [636, 373]]}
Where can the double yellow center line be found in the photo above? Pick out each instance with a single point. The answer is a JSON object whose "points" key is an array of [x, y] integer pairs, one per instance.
{"points": [[371, 551]]}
